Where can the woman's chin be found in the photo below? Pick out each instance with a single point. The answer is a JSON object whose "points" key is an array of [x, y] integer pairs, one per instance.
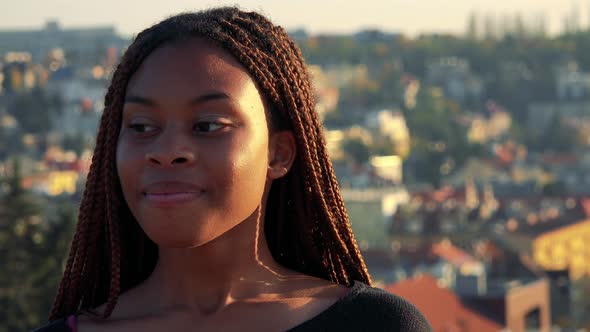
{"points": [[177, 238]]}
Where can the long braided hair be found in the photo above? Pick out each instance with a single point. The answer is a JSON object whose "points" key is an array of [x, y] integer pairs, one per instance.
{"points": [[308, 228]]}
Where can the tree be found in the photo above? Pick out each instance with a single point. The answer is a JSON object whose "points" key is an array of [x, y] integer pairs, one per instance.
{"points": [[557, 137], [32, 110], [439, 141], [472, 26], [34, 237], [356, 149], [75, 142]]}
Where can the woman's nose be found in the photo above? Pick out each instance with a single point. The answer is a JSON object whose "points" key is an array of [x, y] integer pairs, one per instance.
{"points": [[171, 150]]}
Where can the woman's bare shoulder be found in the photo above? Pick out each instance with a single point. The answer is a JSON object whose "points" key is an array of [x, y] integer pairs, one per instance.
{"points": [[130, 307]]}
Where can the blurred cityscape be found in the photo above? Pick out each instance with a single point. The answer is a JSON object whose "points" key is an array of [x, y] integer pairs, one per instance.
{"points": [[464, 162]]}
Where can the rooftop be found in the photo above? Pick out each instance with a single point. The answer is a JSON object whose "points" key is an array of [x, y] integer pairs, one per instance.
{"points": [[443, 309]]}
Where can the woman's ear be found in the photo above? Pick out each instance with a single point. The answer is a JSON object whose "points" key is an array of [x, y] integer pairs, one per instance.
{"points": [[282, 150]]}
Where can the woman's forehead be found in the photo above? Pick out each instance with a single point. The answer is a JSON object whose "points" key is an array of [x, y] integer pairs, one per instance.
{"points": [[193, 62]]}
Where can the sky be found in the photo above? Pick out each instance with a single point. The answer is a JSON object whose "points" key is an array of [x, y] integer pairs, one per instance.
{"points": [[410, 17]]}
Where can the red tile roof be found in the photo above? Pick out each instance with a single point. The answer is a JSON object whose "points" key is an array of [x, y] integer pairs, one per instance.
{"points": [[447, 251], [441, 307]]}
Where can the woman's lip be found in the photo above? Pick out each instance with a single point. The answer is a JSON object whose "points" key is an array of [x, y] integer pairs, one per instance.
{"points": [[171, 198], [171, 187]]}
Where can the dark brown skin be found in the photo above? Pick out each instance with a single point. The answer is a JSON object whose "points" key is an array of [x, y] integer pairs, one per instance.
{"points": [[193, 115]]}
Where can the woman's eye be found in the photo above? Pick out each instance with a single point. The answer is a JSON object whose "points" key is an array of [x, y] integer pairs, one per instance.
{"points": [[142, 128], [208, 127]]}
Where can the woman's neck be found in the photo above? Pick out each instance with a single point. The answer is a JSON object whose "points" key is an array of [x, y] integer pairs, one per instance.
{"points": [[237, 265]]}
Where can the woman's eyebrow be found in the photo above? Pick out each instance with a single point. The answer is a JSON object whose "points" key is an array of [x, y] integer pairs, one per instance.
{"points": [[197, 100], [209, 96], [139, 100]]}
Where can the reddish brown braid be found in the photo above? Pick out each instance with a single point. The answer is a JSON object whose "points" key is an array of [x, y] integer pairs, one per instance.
{"points": [[307, 226]]}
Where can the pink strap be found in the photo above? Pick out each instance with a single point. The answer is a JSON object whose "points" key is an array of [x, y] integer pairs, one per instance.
{"points": [[72, 323]]}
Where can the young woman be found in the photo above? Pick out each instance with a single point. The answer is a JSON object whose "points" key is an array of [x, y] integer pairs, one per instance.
{"points": [[211, 203]]}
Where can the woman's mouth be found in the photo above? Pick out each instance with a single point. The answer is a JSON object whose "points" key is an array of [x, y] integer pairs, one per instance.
{"points": [[172, 197], [171, 192]]}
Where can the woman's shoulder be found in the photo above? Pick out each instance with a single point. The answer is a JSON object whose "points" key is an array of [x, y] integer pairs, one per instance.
{"points": [[368, 308]]}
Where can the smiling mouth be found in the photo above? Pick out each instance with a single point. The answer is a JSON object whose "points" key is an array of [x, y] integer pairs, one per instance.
{"points": [[172, 198]]}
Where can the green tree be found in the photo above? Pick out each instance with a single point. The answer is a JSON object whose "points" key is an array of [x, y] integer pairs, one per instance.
{"points": [[439, 141], [557, 137], [32, 110], [34, 237], [356, 149], [75, 142]]}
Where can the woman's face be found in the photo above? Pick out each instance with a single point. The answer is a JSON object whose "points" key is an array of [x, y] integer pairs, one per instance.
{"points": [[193, 150]]}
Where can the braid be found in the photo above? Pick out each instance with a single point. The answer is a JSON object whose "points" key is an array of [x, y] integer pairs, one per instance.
{"points": [[307, 226], [112, 218]]}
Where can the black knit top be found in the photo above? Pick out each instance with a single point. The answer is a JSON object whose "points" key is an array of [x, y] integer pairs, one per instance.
{"points": [[366, 308]]}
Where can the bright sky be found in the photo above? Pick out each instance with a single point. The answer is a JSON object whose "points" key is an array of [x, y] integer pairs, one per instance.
{"points": [[407, 16]]}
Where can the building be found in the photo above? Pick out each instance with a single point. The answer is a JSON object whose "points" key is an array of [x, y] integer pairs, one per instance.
{"points": [[454, 76], [82, 107], [517, 305], [571, 83], [482, 129], [540, 115], [370, 211], [387, 168], [84, 43], [566, 247], [18, 73], [443, 309], [512, 307], [391, 125], [458, 270]]}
